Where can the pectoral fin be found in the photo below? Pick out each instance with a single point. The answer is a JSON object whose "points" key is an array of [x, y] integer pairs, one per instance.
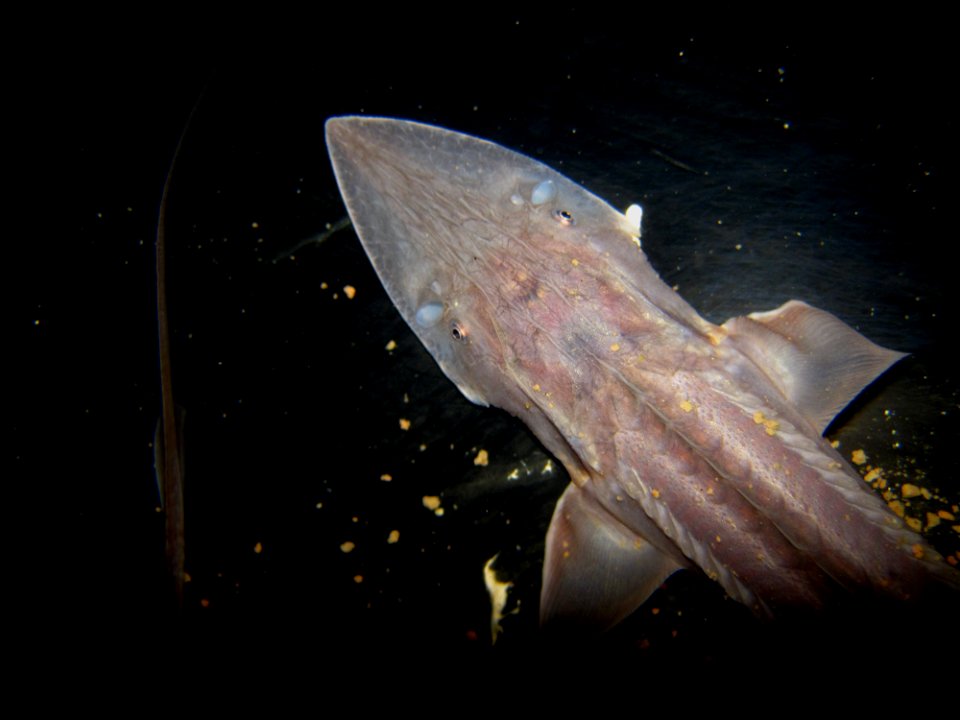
{"points": [[818, 362], [596, 570]]}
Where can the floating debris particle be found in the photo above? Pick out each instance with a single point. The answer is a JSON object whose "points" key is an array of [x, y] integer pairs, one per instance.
{"points": [[393, 537], [482, 458], [258, 548], [404, 424], [909, 490], [347, 546], [431, 502], [859, 457], [350, 291], [498, 598], [358, 579], [874, 474], [391, 346], [386, 477]]}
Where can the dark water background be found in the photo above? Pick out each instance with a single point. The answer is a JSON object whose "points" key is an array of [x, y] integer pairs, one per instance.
{"points": [[769, 168]]}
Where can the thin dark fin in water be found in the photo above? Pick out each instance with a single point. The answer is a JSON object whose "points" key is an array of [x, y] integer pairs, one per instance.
{"points": [[678, 163], [169, 445], [317, 239]]}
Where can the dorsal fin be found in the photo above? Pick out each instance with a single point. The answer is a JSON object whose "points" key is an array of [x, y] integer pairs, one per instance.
{"points": [[817, 361]]}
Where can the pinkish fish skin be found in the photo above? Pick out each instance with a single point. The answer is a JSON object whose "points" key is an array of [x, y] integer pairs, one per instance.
{"points": [[688, 443]]}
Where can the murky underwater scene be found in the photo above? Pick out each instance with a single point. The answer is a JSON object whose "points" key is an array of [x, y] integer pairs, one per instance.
{"points": [[337, 484]]}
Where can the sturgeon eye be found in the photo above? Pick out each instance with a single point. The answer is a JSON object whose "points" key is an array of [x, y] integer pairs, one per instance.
{"points": [[458, 331], [564, 217]]}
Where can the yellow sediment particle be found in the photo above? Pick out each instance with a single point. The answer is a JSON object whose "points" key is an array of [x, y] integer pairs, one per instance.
{"points": [[482, 459], [386, 477], [393, 537], [955, 528], [686, 406], [896, 506], [358, 579], [258, 548], [874, 474], [944, 515], [404, 424], [350, 291], [926, 493], [714, 337], [769, 426], [391, 346], [913, 523], [932, 520], [909, 490], [536, 387], [615, 347], [917, 551], [859, 457], [655, 493], [347, 547], [431, 502], [834, 444], [575, 262], [498, 592]]}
